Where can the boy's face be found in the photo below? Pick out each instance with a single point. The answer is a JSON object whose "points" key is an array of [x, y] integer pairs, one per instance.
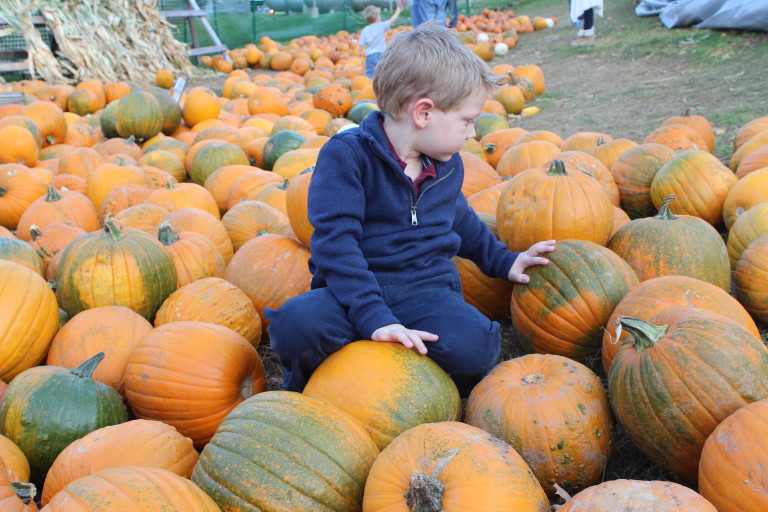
{"points": [[447, 131]]}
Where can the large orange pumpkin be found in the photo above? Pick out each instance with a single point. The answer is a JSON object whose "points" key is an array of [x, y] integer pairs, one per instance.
{"points": [[190, 375], [633, 174], [133, 443], [634, 495], [555, 414], [748, 227], [451, 467], [194, 255]]}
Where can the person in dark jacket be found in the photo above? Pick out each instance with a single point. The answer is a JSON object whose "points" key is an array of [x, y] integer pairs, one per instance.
{"points": [[386, 203]]}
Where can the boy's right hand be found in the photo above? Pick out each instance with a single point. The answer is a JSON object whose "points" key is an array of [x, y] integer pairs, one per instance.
{"points": [[408, 337]]}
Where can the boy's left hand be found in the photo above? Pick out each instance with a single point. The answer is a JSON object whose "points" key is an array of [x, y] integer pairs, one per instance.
{"points": [[530, 258]]}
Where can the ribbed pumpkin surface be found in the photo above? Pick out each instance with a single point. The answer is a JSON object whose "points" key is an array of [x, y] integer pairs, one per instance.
{"points": [[387, 387], [132, 489], [635, 495], [281, 451], [670, 389], [113, 267], [563, 308], [475, 471]]}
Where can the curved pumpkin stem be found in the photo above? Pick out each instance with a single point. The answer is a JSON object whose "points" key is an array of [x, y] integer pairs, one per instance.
{"points": [[25, 491], [86, 369], [664, 212], [35, 232], [532, 378], [557, 169], [52, 195], [112, 229], [646, 334], [425, 493], [3, 191], [169, 184], [166, 235]]}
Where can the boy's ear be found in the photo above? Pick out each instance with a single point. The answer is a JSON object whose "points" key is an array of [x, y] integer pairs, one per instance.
{"points": [[422, 111]]}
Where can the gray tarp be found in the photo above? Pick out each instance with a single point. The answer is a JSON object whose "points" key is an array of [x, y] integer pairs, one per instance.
{"points": [[720, 14]]}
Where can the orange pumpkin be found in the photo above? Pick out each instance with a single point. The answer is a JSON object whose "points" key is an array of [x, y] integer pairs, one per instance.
{"points": [[194, 255], [333, 98], [15, 498], [200, 221], [161, 383], [201, 104], [631, 495]]}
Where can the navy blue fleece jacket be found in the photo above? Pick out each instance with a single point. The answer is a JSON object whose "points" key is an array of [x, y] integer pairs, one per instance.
{"points": [[372, 230]]}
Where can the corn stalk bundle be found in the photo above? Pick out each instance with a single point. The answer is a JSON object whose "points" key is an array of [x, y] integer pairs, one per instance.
{"points": [[105, 39]]}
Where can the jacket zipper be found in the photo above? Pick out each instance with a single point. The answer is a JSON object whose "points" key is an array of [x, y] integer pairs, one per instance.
{"points": [[409, 187]]}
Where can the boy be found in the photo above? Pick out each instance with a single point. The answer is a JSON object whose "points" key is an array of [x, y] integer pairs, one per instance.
{"points": [[372, 36], [385, 200]]}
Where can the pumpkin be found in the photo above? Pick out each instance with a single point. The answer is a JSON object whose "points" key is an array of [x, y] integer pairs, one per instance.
{"points": [[201, 104], [58, 206], [581, 141], [280, 143], [478, 174], [633, 173], [108, 176], [266, 100], [545, 204], [122, 197], [333, 98], [750, 279], [19, 188], [748, 227], [175, 196], [578, 161], [138, 115], [497, 142], [49, 117], [555, 414], [248, 219], [667, 244], [15, 496], [114, 146], [194, 255], [566, 303], [29, 317], [216, 301], [526, 155], [15, 461], [451, 467], [200, 221], [270, 269], [80, 162], [113, 330], [220, 181], [170, 111], [755, 160], [132, 489], [610, 151], [190, 375], [385, 386], [247, 186], [651, 296], [133, 443], [115, 267], [678, 376], [700, 125], [293, 452], [48, 407], [293, 161], [212, 156], [144, 216], [633, 495], [680, 137], [490, 295], [21, 252], [698, 180], [731, 461], [747, 192]]}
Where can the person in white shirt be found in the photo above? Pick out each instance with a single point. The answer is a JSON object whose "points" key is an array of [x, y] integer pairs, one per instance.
{"points": [[582, 13], [373, 38]]}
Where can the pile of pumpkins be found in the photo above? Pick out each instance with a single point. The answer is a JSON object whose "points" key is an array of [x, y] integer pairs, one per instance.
{"points": [[142, 238], [489, 33]]}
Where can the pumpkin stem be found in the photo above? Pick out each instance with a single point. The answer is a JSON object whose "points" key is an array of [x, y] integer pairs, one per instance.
{"points": [[53, 195], [285, 184], [166, 235], [532, 378], [169, 184], [557, 168], [600, 140], [86, 369], [489, 147], [25, 491], [425, 493], [3, 191], [112, 229], [664, 212], [35, 232], [646, 334]]}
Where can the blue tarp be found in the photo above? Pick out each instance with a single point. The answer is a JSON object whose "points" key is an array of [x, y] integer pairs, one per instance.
{"points": [[718, 14]]}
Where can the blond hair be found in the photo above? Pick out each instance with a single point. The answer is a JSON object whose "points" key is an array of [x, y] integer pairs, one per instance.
{"points": [[429, 62], [371, 14]]}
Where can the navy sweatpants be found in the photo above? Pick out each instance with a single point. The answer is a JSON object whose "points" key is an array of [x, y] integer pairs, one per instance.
{"points": [[308, 328]]}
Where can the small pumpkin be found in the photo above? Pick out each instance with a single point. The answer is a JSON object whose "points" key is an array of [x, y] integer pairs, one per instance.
{"points": [[632, 495], [15, 496]]}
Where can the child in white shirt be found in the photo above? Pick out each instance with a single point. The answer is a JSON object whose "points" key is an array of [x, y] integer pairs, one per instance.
{"points": [[372, 36]]}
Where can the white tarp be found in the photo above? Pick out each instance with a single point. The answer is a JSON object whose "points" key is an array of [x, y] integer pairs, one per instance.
{"points": [[719, 14]]}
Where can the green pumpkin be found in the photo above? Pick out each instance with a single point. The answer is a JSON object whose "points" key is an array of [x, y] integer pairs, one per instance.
{"points": [[21, 252], [171, 111], [212, 156], [286, 451], [280, 143], [361, 109], [108, 121], [45, 408], [138, 115], [115, 267]]}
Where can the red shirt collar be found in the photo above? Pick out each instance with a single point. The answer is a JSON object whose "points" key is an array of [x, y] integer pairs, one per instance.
{"points": [[428, 166]]}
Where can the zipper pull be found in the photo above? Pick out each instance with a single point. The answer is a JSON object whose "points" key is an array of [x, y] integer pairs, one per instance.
{"points": [[414, 220]]}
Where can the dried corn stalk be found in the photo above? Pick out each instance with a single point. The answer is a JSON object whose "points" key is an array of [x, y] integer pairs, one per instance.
{"points": [[105, 39]]}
